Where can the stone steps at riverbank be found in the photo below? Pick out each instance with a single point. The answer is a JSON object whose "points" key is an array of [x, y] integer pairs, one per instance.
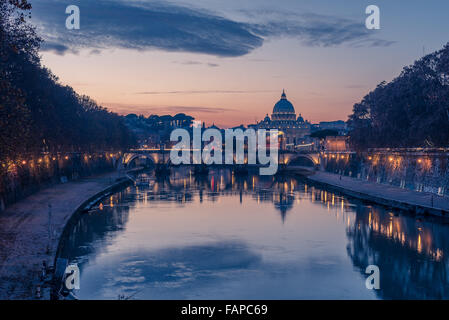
{"points": [[419, 202]]}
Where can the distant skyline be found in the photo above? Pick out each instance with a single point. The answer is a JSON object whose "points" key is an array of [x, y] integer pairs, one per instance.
{"points": [[226, 62]]}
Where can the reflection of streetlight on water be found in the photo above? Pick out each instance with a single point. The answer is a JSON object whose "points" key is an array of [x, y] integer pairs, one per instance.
{"points": [[49, 228]]}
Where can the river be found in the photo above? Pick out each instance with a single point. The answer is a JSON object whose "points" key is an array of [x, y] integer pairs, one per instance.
{"points": [[226, 237]]}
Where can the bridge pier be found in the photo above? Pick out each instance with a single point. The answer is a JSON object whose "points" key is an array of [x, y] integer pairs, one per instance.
{"points": [[240, 169], [200, 170], [162, 169]]}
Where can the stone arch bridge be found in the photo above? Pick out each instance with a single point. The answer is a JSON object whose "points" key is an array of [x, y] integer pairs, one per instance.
{"points": [[162, 156]]}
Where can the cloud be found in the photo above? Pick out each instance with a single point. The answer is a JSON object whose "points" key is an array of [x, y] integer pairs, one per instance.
{"points": [[183, 109], [95, 52], [171, 27], [204, 92], [153, 109], [193, 63], [188, 63], [321, 31], [144, 26], [57, 48]]}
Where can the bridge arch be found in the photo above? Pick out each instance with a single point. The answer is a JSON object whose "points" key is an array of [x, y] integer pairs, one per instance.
{"points": [[153, 157], [304, 160], [128, 159], [163, 157]]}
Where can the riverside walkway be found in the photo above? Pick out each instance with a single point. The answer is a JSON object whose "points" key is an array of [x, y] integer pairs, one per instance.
{"points": [[24, 235], [420, 202]]}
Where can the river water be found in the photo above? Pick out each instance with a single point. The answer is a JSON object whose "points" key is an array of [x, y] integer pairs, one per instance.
{"points": [[227, 237]]}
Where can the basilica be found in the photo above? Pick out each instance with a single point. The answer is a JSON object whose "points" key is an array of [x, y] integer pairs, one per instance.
{"points": [[293, 130]]}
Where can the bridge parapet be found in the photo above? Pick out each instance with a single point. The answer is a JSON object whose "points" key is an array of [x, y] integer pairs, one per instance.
{"points": [[162, 156]]}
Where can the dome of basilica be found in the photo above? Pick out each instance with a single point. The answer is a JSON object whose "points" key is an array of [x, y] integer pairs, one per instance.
{"points": [[294, 129], [283, 106]]}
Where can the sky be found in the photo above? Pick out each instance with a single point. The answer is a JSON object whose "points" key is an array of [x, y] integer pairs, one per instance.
{"points": [[227, 62]]}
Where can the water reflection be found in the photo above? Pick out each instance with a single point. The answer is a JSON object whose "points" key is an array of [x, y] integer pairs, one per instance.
{"points": [[222, 236], [409, 253], [106, 222], [182, 185]]}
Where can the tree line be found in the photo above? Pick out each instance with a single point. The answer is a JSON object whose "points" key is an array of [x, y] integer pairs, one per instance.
{"points": [[37, 113], [410, 111]]}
